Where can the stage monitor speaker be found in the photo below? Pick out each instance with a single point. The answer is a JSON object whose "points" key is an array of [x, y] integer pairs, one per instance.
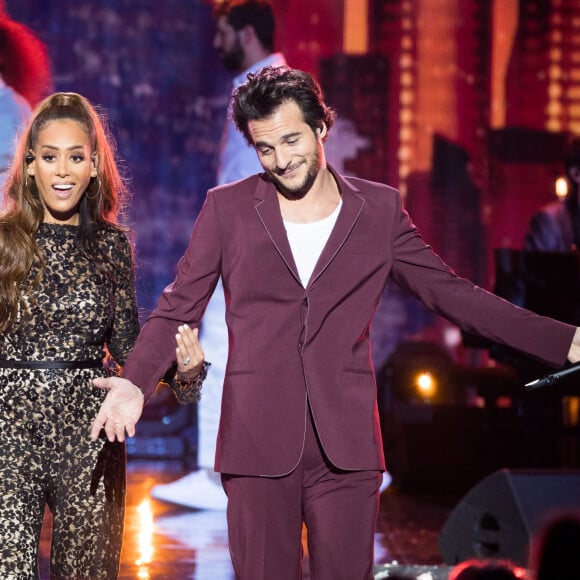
{"points": [[499, 516]]}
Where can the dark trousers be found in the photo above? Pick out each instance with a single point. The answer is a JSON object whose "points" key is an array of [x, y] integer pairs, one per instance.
{"points": [[339, 509]]}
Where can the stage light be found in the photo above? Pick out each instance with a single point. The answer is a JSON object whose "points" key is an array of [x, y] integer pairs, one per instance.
{"points": [[145, 539], [561, 187], [419, 373], [426, 385]]}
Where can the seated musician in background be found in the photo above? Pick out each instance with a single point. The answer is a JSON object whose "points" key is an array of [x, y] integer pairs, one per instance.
{"points": [[556, 227]]}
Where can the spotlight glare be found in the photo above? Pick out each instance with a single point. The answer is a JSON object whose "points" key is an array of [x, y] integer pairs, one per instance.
{"points": [[561, 187], [145, 538], [426, 385]]}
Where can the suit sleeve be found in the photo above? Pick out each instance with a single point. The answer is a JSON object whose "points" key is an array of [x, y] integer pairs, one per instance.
{"points": [[183, 301], [417, 268]]}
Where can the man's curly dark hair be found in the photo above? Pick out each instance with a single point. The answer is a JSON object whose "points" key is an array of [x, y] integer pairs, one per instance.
{"points": [[264, 91]]}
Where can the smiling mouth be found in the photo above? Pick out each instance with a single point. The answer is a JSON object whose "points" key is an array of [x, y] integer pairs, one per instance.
{"points": [[63, 190], [290, 172]]}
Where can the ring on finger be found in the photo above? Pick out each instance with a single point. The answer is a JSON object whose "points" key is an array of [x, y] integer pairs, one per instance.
{"points": [[186, 360]]}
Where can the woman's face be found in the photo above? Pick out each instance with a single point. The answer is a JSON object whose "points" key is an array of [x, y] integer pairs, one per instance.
{"points": [[62, 169]]}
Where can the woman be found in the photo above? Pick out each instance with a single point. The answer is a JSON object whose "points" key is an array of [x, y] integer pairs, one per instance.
{"points": [[67, 296], [67, 300]]}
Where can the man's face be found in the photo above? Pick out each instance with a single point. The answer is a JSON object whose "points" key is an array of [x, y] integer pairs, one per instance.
{"points": [[289, 151], [227, 43]]}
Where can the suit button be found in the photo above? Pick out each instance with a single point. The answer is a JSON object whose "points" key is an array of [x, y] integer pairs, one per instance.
{"points": [[301, 345]]}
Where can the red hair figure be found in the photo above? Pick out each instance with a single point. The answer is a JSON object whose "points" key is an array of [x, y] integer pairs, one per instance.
{"points": [[25, 79], [24, 62]]}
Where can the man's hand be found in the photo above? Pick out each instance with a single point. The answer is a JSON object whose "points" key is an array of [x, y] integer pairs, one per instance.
{"points": [[120, 410], [574, 352]]}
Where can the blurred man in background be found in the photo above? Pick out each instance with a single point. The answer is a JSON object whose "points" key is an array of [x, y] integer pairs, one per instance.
{"points": [[556, 227]]}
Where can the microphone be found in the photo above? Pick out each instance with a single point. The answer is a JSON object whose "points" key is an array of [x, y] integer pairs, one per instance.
{"points": [[553, 378]]}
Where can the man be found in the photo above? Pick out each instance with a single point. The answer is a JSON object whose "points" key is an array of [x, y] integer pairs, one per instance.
{"points": [[244, 39], [556, 227], [304, 254]]}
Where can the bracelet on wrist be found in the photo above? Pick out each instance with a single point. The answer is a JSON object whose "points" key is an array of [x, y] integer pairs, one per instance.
{"points": [[189, 391]]}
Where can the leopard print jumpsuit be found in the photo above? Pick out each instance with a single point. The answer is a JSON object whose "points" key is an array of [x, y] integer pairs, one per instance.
{"points": [[46, 454]]}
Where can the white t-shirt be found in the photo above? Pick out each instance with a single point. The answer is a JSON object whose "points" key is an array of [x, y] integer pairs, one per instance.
{"points": [[307, 242]]}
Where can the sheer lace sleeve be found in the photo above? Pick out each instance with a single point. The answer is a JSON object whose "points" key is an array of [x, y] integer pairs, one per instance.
{"points": [[125, 327]]}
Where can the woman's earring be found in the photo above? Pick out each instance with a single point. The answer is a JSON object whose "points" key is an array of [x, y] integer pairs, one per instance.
{"points": [[27, 186], [97, 194]]}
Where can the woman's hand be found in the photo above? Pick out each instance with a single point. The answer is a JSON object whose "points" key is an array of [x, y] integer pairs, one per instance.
{"points": [[120, 410], [188, 354]]}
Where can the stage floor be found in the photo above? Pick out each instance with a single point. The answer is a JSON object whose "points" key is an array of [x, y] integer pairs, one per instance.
{"points": [[166, 542]]}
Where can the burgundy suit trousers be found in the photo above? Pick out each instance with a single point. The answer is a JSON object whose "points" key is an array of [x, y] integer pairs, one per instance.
{"points": [[339, 509]]}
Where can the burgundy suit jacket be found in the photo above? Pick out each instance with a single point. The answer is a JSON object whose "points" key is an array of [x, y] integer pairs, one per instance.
{"points": [[289, 345]]}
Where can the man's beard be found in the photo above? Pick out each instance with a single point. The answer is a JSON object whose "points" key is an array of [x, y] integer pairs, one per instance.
{"points": [[233, 59]]}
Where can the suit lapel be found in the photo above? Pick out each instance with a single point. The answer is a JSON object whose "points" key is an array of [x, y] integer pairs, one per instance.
{"points": [[268, 209], [352, 205]]}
